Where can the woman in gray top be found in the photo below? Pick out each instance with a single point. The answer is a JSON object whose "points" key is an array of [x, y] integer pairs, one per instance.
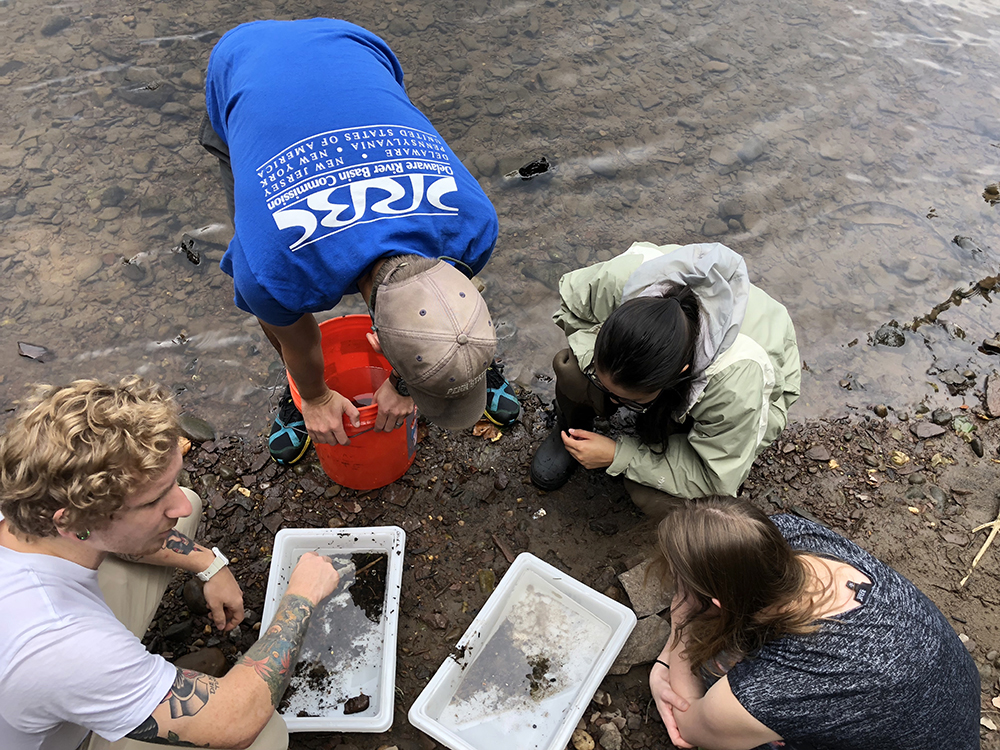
{"points": [[787, 633]]}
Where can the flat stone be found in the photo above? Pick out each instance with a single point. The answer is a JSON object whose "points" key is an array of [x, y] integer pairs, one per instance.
{"points": [[952, 377], [10, 157], [610, 737], [924, 430], [818, 453], [486, 164], [56, 24], [715, 66], [644, 644], [916, 272], [397, 495], [196, 430], [831, 151], [87, 267], [179, 631], [142, 163], [273, 522], [649, 101], [646, 594], [714, 227], [730, 208], [992, 398], [723, 155], [752, 150], [112, 196], [604, 166], [194, 596], [942, 417]]}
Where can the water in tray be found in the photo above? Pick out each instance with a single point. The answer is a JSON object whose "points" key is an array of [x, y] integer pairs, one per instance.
{"points": [[524, 677]]}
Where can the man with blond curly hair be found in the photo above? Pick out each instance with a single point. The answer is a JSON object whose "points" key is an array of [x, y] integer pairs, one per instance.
{"points": [[92, 523]]}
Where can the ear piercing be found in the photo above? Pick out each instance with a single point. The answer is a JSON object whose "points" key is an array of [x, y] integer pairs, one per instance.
{"points": [[83, 536]]}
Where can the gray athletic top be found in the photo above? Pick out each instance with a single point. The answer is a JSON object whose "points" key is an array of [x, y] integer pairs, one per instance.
{"points": [[890, 674]]}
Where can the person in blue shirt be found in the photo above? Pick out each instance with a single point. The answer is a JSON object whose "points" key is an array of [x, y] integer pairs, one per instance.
{"points": [[338, 184]]}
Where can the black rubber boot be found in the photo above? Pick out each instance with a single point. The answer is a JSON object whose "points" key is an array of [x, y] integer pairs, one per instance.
{"points": [[552, 465]]}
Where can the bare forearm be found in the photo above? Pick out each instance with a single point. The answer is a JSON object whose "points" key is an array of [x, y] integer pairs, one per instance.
{"points": [[683, 679], [302, 353], [273, 657]]}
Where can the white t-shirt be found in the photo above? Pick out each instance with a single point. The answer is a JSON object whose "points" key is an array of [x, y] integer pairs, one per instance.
{"points": [[67, 665]]}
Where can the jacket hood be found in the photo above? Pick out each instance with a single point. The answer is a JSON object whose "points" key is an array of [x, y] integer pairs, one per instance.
{"points": [[718, 277]]}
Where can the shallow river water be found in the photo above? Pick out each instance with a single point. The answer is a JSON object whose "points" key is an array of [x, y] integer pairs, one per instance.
{"points": [[840, 147]]}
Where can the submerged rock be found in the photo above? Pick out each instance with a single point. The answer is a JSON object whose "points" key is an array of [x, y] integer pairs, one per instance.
{"points": [[196, 430]]}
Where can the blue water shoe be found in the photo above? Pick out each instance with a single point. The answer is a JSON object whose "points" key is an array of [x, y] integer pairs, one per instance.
{"points": [[289, 439]]}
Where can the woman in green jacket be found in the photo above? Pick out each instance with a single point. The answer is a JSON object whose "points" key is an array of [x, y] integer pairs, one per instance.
{"points": [[677, 334]]}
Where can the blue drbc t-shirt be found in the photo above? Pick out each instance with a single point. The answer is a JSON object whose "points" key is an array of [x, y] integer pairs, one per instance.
{"points": [[333, 166]]}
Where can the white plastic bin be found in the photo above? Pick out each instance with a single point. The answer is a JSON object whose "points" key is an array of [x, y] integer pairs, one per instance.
{"points": [[527, 667], [367, 662]]}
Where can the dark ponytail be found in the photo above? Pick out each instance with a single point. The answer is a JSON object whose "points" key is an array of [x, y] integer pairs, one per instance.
{"points": [[644, 346]]}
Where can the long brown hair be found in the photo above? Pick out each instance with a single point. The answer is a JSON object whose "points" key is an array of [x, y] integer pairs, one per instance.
{"points": [[727, 549]]}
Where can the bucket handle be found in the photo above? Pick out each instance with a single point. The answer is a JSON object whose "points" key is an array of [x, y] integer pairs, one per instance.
{"points": [[366, 422]]}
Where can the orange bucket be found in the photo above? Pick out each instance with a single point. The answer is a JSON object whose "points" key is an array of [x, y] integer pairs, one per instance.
{"points": [[355, 370]]}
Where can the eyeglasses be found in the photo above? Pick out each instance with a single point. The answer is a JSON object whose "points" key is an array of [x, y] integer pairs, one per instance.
{"points": [[639, 407]]}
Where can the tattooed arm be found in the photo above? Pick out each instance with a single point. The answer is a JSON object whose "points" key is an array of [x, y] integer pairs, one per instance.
{"points": [[222, 592], [177, 551], [201, 711]]}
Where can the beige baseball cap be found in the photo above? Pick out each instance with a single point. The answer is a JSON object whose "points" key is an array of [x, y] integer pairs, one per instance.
{"points": [[435, 329]]}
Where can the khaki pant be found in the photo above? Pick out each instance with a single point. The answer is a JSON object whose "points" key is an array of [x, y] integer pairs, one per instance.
{"points": [[133, 592], [579, 400]]}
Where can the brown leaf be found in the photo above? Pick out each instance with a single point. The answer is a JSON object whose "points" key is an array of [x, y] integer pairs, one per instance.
{"points": [[486, 430]]}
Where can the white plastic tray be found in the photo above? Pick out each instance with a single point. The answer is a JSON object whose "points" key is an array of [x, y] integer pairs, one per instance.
{"points": [[527, 667], [373, 670]]}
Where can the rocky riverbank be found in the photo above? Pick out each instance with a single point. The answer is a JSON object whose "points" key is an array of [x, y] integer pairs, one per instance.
{"points": [[911, 489]]}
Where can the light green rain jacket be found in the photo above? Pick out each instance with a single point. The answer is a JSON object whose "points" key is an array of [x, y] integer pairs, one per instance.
{"points": [[747, 370]]}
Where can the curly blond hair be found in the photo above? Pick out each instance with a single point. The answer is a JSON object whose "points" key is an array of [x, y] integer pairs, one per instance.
{"points": [[84, 448]]}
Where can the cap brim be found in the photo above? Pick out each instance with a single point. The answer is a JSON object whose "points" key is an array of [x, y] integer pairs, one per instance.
{"points": [[452, 413]]}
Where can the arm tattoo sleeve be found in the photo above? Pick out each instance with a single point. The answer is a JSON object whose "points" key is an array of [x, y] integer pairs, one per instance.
{"points": [[186, 697], [189, 693], [177, 542], [273, 657]]}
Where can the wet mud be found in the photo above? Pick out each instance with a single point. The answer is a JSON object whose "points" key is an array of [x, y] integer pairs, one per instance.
{"points": [[345, 631]]}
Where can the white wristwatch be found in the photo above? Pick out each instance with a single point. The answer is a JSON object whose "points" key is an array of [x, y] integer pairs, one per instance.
{"points": [[218, 564]]}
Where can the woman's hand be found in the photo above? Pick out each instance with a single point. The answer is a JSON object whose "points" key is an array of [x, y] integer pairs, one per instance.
{"points": [[591, 450], [667, 701]]}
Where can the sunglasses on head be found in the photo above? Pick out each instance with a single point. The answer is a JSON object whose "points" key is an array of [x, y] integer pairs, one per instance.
{"points": [[639, 407]]}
